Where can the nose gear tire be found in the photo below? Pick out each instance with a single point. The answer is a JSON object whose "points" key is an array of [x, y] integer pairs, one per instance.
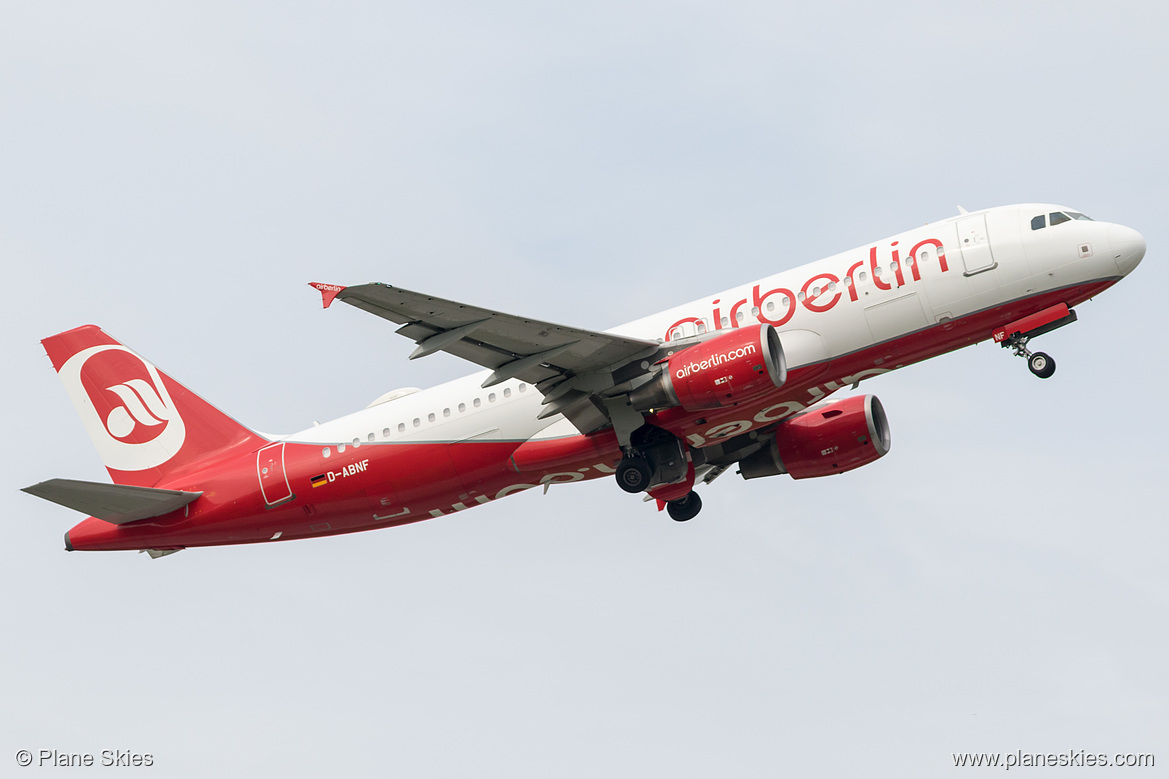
{"points": [[1041, 365]]}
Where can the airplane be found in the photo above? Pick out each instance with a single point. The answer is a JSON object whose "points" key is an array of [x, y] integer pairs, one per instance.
{"points": [[662, 405]]}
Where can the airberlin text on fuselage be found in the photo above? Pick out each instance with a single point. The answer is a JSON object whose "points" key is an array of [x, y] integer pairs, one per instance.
{"points": [[820, 293]]}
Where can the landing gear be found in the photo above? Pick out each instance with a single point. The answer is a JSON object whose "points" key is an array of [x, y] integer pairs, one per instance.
{"points": [[634, 473], [1041, 365], [686, 508], [657, 463]]}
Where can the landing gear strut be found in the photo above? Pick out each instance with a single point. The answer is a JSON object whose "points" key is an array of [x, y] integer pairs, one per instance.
{"points": [[1039, 363]]}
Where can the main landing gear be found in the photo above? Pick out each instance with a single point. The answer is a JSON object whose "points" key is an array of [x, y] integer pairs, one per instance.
{"points": [[656, 463], [1039, 363]]}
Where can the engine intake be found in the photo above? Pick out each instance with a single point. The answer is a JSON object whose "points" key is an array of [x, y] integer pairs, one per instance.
{"points": [[823, 440], [726, 369]]}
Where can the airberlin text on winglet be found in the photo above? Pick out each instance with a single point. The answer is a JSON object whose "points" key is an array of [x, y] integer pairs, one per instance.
{"points": [[329, 292]]}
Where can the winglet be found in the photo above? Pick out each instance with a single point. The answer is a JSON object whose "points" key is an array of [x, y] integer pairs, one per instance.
{"points": [[328, 291]]}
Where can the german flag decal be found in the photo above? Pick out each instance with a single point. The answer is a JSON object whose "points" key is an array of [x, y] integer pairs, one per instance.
{"points": [[320, 481]]}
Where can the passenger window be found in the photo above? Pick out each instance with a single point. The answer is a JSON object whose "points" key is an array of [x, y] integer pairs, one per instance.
{"points": [[446, 412], [507, 392], [401, 427], [325, 452], [863, 276], [525, 386], [370, 438], [1057, 218], [1039, 222], [417, 422], [490, 397], [385, 432], [462, 407], [476, 403], [430, 417]]}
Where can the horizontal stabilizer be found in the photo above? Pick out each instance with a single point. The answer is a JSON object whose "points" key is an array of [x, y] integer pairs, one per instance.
{"points": [[115, 503]]}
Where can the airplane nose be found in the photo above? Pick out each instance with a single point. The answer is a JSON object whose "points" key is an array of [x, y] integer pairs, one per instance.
{"points": [[1128, 247]]}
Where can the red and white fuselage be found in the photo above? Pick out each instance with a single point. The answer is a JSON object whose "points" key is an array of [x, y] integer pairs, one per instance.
{"points": [[422, 454]]}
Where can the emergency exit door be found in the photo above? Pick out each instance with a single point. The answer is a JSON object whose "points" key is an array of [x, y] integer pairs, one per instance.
{"points": [[975, 244]]}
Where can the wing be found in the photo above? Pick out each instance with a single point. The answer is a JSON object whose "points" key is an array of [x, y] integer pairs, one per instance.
{"points": [[575, 369]]}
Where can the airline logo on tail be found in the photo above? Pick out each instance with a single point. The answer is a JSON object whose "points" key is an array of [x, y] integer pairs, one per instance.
{"points": [[125, 407]]}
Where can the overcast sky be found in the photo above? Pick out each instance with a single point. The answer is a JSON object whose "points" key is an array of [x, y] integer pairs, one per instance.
{"points": [[177, 173]]}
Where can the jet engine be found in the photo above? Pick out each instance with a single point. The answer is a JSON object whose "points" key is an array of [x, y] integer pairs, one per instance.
{"points": [[721, 371], [825, 439]]}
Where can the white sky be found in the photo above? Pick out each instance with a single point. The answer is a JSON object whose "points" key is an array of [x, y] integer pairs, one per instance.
{"points": [[178, 173]]}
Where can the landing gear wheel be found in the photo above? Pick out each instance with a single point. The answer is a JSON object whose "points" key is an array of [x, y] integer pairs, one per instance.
{"points": [[686, 508], [1041, 365], [633, 474]]}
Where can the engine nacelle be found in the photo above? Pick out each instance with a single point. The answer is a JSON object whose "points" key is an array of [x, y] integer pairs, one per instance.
{"points": [[721, 371], [823, 440]]}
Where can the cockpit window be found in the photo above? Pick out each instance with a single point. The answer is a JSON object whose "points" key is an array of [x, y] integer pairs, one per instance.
{"points": [[1078, 215], [1058, 218], [1039, 222]]}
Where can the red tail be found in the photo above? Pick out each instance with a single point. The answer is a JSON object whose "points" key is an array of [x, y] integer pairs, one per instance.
{"points": [[146, 426]]}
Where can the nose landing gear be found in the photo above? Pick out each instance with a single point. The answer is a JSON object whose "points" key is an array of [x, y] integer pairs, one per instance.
{"points": [[1039, 363], [1016, 335]]}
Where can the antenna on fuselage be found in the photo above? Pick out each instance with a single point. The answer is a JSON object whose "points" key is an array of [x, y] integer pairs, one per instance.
{"points": [[962, 211]]}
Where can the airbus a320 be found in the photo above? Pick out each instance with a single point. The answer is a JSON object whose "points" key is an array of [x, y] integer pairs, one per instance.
{"points": [[664, 405]]}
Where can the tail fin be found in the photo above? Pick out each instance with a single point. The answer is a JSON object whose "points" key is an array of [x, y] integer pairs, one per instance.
{"points": [[145, 425]]}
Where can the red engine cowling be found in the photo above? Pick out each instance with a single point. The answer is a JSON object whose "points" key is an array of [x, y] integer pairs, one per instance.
{"points": [[824, 440], [721, 371]]}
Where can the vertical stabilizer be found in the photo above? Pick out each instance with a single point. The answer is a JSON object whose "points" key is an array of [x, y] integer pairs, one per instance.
{"points": [[145, 425]]}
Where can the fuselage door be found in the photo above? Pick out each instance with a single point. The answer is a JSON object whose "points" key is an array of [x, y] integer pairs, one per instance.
{"points": [[975, 243], [274, 484]]}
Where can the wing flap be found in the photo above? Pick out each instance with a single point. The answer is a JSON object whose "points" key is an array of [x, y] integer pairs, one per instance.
{"points": [[114, 503]]}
